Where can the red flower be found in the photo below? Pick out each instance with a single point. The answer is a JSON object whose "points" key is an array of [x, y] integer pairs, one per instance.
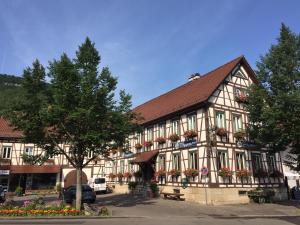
{"points": [[190, 134], [174, 137], [148, 143]]}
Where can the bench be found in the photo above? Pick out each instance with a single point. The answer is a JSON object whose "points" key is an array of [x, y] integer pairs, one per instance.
{"points": [[176, 195]]}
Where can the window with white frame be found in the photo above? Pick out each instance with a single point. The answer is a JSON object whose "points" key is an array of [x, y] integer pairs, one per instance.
{"points": [[222, 159], [6, 152], [240, 161], [256, 162], [162, 130], [176, 161], [220, 119], [193, 160], [272, 163], [237, 123], [122, 166], [28, 150], [162, 162], [139, 137], [191, 122], [175, 127], [150, 134]]}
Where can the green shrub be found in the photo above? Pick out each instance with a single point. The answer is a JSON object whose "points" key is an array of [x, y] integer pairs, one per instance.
{"points": [[132, 185], [154, 188], [260, 195], [19, 191]]}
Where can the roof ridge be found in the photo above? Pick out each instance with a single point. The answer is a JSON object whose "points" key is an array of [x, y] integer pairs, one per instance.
{"points": [[189, 82]]}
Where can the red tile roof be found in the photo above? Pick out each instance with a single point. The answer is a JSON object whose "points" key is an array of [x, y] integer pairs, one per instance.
{"points": [[34, 169], [145, 156], [8, 131], [192, 93]]}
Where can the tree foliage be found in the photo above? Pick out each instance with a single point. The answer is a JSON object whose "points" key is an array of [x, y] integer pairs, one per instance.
{"points": [[274, 104], [78, 108]]}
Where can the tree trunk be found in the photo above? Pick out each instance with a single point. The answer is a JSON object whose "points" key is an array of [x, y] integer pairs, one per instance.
{"points": [[78, 188]]}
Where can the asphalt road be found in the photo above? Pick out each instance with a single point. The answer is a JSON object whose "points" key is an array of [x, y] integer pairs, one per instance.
{"points": [[162, 220]]}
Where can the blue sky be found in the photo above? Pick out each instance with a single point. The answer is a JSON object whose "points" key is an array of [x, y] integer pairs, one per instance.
{"points": [[152, 46]]}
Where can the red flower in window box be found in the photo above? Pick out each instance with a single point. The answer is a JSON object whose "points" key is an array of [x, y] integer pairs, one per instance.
{"points": [[191, 172], [160, 140], [221, 132], [112, 175], [160, 173], [138, 146], [243, 173], [174, 137], [241, 98], [174, 173], [189, 134], [225, 172], [127, 175], [148, 143]]}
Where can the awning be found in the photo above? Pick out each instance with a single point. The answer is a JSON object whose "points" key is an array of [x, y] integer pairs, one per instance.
{"points": [[35, 169], [145, 156]]}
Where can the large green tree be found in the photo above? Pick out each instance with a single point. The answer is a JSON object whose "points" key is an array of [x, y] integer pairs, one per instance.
{"points": [[274, 104], [78, 108]]}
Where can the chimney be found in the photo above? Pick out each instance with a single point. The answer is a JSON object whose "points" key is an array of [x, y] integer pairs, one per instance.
{"points": [[194, 76]]}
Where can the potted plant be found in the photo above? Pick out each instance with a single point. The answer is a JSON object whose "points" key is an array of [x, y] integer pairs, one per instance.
{"points": [[19, 191], [225, 172], [138, 146], [221, 132], [191, 173], [239, 135], [160, 173], [154, 189], [112, 176], [241, 98], [243, 173], [160, 140], [174, 137], [190, 134], [148, 143]]}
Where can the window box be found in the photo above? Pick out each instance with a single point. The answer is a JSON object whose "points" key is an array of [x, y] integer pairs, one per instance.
{"points": [[260, 173], [127, 175], [174, 173], [174, 137], [191, 173], [138, 146], [243, 173], [221, 132], [112, 176], [137, 174], [225, 172], [160, 173], [276, 173], [190, 134], [160, 140], [241, 97], [240, 135], [148, 143]]}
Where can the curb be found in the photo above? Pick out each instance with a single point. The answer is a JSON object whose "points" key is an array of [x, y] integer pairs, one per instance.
{"points": [[255, 216], [69, 217]]}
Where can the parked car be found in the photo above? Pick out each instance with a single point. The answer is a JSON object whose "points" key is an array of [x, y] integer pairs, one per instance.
{"points": [[2, 194], [88, 195], [98, 184]]}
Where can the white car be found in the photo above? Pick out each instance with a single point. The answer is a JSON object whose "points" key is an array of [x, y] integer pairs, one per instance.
{"points": [[98, 184]]}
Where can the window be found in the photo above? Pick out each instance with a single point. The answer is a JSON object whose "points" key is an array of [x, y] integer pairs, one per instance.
{"points": [[237, 123], [28, 150], [175, 127], [193, 160], [122, 166], [176, 161], [238, 91], [222, 160], [161, 130], [162, 162], [256, 162], [150, 134], [139, 137], [240, 161], [191, 122], [90, 154], [272, 163], [220, 119], [6, 151]]}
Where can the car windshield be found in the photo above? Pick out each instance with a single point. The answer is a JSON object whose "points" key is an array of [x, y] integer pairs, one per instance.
{"points": [[99, 180]]}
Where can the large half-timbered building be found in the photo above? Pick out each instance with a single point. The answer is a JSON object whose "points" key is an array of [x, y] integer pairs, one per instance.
{"points": [[200, 125]]}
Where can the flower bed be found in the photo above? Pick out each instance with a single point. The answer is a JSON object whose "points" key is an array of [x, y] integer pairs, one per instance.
{"points": [[39, 212]]}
